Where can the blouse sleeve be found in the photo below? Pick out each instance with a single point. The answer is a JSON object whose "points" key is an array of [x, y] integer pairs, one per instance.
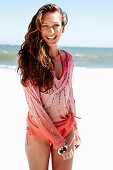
{"points": [[40, 116]]}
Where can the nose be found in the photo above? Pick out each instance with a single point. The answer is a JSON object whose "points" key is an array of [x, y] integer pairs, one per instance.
{"points": [[52, 30]]}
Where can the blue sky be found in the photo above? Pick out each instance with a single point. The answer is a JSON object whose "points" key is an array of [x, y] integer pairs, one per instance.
{"points": [[90, 22]]}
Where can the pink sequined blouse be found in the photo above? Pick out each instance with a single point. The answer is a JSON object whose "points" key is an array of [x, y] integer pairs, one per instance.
{"points": [[52, 115]]}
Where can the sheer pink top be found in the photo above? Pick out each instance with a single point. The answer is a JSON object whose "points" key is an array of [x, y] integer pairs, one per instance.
{"points": [[52, 115]]}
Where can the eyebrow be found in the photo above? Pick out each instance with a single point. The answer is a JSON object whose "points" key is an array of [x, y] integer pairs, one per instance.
{"points": [[54, 23]]}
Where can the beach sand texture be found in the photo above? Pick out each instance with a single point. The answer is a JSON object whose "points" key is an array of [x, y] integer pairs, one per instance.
{"points": [[93, 93]]}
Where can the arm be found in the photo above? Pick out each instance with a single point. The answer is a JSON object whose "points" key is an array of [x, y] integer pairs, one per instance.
{"points": [[72, 108], [40, 116]]}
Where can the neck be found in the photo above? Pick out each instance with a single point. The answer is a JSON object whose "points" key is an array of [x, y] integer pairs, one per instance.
{"points": [[53, 52]]}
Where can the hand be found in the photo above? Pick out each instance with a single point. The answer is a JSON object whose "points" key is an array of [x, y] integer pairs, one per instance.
{"points": [[67, 147]]}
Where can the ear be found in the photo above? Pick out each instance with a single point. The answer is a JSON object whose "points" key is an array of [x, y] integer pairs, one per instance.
{"points": [[63, 28]]}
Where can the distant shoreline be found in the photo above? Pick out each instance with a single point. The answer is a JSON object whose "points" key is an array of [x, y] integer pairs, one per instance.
{"points": [[17, 45]]}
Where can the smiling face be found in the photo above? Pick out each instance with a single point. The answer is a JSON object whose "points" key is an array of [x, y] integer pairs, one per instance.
{"points": [[51, 28]]}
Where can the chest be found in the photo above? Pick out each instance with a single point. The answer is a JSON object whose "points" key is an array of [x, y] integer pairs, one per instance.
{"points": [[58, 69]]}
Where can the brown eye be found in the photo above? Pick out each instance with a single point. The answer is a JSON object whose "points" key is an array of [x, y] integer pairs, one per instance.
{"points": [[44, 26], [56, 25]]}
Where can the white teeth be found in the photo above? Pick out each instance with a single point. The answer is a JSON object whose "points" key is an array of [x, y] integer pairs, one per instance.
{"points": [[51, 37]]}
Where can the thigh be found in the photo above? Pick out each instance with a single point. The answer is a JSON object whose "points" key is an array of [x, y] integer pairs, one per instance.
{"points": [[58, 163], [38, 153]]}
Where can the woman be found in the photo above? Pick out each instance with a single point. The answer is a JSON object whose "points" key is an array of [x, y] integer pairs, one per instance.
{"points": [[46, 76]]}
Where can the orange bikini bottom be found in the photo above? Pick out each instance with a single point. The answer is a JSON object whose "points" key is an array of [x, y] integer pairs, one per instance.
{"points": [[34, 131]]}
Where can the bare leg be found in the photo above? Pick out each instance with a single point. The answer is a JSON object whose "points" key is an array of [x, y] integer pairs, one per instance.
{"points": [[57, 160], [38, 153]]}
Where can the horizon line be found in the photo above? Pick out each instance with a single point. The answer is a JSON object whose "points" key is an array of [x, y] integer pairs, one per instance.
{"points": [[63, 46]]}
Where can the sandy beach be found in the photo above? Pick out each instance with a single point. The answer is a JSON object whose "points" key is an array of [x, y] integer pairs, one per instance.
{"points": [[93, 93]]}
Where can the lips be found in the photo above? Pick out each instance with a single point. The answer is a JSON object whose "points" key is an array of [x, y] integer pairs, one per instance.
{"points": [[51, 38]]}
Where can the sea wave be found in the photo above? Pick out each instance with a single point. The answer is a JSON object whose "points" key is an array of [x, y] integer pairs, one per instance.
{"points": [[93, 60], [5, 52], [83, 57], [8, 58], [8, 67]]}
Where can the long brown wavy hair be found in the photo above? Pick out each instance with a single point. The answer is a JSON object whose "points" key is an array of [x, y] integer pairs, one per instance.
{"points": [[34, 60]]}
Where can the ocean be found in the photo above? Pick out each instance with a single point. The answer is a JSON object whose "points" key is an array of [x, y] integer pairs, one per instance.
{"points": [[83, 56]]}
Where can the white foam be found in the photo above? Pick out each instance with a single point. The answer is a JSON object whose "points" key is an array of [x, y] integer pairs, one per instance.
{"points": [[8, 67]]}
